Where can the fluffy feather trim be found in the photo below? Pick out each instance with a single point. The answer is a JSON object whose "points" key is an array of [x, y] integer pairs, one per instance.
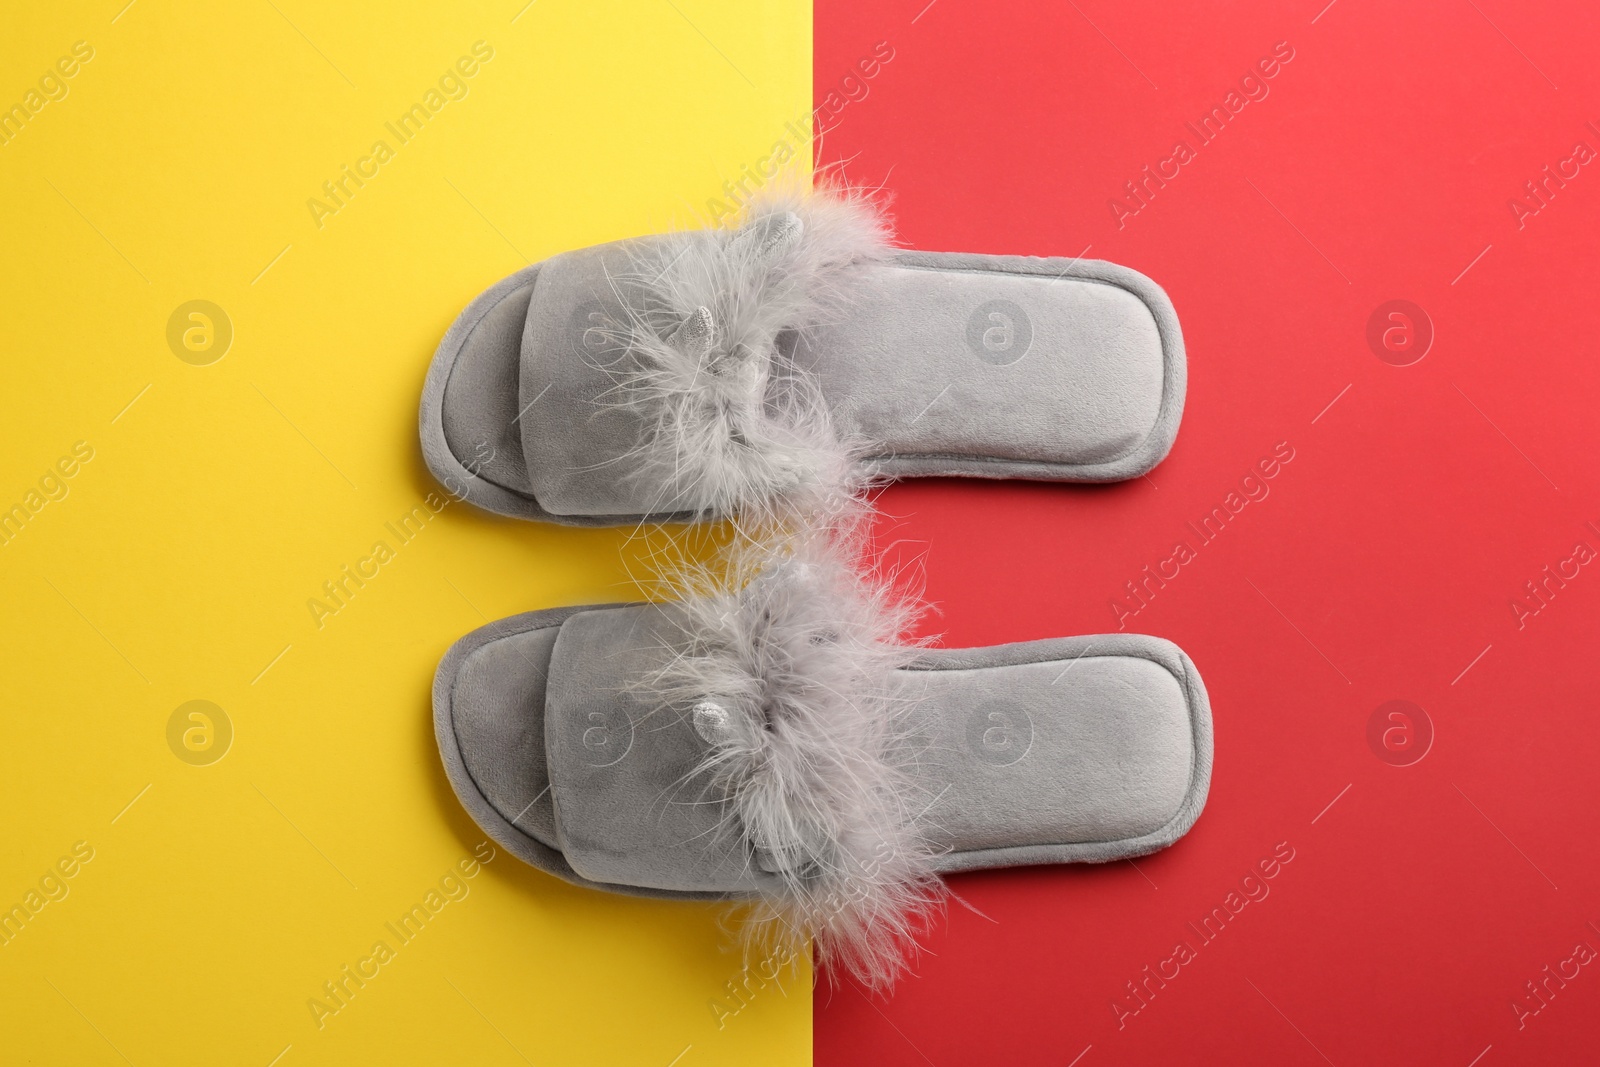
{"points": [[784, 666], [730, 424]]}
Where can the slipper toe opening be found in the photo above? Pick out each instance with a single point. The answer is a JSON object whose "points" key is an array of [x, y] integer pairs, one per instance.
{"points": [[497, 713], [479, 402]]}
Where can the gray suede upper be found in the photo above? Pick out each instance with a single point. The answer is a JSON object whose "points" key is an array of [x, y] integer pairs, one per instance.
{"points": [[627, 811], [580, 448]]}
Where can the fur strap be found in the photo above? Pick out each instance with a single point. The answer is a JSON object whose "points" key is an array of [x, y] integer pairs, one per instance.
{"points": [[729, 422], [786, 672]]}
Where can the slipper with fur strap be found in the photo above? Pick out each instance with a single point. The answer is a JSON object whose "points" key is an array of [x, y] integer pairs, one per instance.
{"points": [[714, 372], [778, 744]]}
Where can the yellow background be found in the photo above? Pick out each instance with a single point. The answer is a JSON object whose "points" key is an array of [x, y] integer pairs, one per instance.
{"points": [[179, 565]]}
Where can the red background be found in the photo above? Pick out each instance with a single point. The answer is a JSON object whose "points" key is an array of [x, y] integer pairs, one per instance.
{"points": [[1385, 559]]}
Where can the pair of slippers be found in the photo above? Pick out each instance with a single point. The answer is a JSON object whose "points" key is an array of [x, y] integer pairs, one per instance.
{"points": [[770, 736]]}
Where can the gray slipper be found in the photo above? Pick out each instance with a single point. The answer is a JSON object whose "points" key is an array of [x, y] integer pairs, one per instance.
{"points": [[710, 372], [766, 745]]}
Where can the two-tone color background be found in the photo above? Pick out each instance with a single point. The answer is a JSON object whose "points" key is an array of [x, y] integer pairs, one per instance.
{"points": [[244, 787]]}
